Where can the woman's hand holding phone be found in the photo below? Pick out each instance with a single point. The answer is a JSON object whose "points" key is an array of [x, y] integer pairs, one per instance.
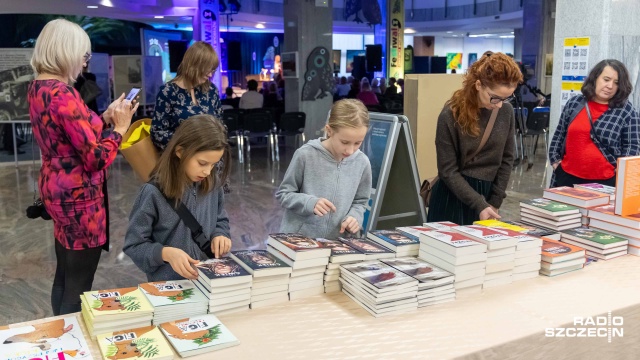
{"points": [[119, 113]]}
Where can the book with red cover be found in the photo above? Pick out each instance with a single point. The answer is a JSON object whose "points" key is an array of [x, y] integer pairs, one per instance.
{"points": [[556, 251], [576, 197]]}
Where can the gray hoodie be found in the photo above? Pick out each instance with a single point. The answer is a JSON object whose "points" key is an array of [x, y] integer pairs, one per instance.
{"points": [[153, 224], [313, 174]]}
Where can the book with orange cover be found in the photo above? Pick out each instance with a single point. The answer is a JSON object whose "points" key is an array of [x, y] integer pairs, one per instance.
{"points": [[607, 213], [576, 197], [628, 186], [556, 251]]}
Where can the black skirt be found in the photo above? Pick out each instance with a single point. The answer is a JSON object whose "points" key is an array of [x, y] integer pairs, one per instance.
{"points": [[444, 205]]}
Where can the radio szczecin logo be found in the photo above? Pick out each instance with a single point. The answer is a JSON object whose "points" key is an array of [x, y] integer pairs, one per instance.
{"points": [[591, 327]]}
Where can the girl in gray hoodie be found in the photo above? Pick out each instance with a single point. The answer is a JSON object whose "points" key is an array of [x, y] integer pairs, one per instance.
{"points": [[328, 183]]}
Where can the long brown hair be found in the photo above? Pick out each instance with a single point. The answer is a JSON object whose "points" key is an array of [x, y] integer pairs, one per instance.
{"points": [[493, 69], [199, 60], [197, 133]]}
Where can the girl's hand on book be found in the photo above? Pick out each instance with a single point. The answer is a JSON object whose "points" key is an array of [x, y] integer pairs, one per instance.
{"points": [[350, 224], [180, 262], [323, 207], [489, 214], [220, 246]]}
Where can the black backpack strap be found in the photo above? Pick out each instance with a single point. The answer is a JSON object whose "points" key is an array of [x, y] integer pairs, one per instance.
{"points": [[197, 234]]}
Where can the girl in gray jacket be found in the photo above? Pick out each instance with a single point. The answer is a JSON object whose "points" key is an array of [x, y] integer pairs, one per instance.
{"points": [[328, 183]]}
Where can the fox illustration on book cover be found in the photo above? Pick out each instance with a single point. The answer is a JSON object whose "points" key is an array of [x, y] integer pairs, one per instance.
{"points": [[118, 302], [131, 344], [154, 288], [200, 337], [43, 335]]}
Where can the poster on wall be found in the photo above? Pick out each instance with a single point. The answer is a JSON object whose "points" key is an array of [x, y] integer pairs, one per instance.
{"points": [[548, 65], [350, 55], [473, 57], [408, 59], [395, 39], [575, 58], [156, 43], [454, 60], [208, 19], [127, 73], [336, 60], [99, 67], [15, 75], [569, 90]]}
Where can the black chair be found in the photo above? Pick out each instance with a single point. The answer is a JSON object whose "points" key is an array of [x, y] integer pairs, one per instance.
{"points": [[375, 108], [240, 114], [536, 125], [292, 124], [258, 125], [234, 131]]}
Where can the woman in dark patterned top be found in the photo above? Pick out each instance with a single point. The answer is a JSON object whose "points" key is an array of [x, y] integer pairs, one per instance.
{"points": [[473, 189], [190, 93], [585, 153], [77, 148]]}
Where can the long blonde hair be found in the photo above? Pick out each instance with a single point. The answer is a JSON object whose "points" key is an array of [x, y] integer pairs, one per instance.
{"points": [[197, 133], [199, 60], [349, 113]]}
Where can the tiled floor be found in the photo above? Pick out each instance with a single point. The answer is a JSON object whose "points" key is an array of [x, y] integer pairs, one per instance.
{"points": [[27, 259]]}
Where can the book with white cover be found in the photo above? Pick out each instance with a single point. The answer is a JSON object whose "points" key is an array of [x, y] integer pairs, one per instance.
{"points": [[426, 273], [198, 335], [452, 242], [492, 238]]}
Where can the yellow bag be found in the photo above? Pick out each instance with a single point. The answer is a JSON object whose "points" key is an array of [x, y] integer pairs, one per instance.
{"points": [[138, 149]]}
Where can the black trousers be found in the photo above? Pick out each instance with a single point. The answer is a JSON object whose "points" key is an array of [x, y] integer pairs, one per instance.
{"points": [[565, 179], [74, 275]]}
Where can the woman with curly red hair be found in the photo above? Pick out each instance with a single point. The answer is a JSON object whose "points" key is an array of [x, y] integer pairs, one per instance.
{"points": [[473, 174]]}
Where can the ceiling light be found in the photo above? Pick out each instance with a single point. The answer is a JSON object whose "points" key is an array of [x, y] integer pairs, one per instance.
{"points": [[106, 3], [507, 37], [92, 6], [455, 35], [512, 32], [158, 17], [449, 32], [409, 31], [260, 26]]}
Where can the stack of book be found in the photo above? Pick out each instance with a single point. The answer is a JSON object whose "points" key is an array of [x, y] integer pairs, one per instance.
{"points": [[521, 227], [440, 225], [581, 198], [341, 253], [270, 283], [116, 309], [604, 218], [603, 189], [598, 244], [550, 214], [501, 253], [435, 286], [140, 343], [379, 288], [174, 299], [457, 254], [226, 284], [402, 243], [527, 256], [308, 261], [198, 335], [59, 339], [370, 249], [559, 258]]}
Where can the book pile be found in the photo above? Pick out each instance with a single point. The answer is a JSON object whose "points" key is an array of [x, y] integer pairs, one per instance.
{"points": [[370, 249], [112, 310], [270, 283], [527, 256], [628, 227], [435, 286], [550, 214], [146, 343], [559, 258], [379, 288], [596, 243], [603, 189], [581, 198], [174, 299], [226, 284], [341, 253], [402, 243], [521, 227], [457, 254], [308, 261], [439, 225], [52, 339], [501, 253], [198, 335]]}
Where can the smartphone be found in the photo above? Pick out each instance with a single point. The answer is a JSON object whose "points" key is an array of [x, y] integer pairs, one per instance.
{"points": [[132, 94]]}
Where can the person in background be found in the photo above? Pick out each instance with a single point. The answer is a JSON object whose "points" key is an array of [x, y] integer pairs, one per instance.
{"points": [[365, 95], [228, 93], [251, 99], [596, 128], [342, 89], [471, 189], [190, 93], [80, 81], [375, 86], [355, 89], [453, 71], [77, 148], [383, 86], [271, 97], [401, 86], [392, 89]]}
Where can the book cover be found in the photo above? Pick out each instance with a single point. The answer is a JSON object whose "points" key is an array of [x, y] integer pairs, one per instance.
{"points": [[378, 274], [59, 339], [198, 332], [259, 259], [296, 242], [483, 232], [440, 225], [337, 247], [605, 189], [417, 268], [628, 186], [117, 301], [595, 236], [365, 246], [162, 293], [453, 238], [135, 344], [521, 236], [395, 237], [549, 205], [222, 268], [414, 230], [554, 249], [576, 193], [532, 230], [500, 224]]}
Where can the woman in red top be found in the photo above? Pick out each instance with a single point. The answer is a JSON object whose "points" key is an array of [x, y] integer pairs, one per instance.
{"points": [[76, 148], [366, 95], [595, 129]]}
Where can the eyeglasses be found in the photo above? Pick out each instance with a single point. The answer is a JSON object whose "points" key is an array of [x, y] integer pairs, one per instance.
{"points": [[497, 100], [87, 57]]}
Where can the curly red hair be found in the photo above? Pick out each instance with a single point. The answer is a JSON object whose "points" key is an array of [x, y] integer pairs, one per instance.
{"points": [[493, 69]]}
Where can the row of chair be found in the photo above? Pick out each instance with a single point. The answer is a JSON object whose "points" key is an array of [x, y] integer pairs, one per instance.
{"points": [[531, 127], [242, 126]]}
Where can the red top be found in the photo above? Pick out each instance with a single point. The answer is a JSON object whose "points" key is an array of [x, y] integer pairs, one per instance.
{"points": [[368, 97], [582, 157]]}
